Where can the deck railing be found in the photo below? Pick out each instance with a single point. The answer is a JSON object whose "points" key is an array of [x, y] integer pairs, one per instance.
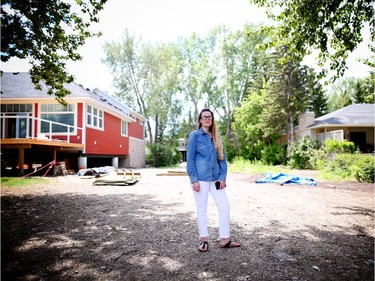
{"points": [[336, 135], [29, 130]]}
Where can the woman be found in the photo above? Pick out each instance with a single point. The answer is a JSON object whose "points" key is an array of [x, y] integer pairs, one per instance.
{"points": [[207, 165]]}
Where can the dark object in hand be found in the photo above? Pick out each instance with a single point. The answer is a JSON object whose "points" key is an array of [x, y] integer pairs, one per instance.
{"points": [[217, 184]]}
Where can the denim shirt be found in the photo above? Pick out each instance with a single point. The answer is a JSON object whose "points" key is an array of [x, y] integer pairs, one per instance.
{"points": [[202, 161]]}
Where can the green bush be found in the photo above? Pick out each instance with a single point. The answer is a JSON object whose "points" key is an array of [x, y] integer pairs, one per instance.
{"points": [[230, 150], [342, 165], [335, 146], [274, 154], [318, 159], [364, 169], [359, 166], [301, 152], [161, 155]]}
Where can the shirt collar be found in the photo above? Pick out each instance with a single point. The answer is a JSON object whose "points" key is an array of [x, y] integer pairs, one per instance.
{"points": [[201, 131]]}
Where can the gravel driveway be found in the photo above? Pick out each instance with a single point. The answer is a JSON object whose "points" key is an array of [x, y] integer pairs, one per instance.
{"points": [[71, 230]]}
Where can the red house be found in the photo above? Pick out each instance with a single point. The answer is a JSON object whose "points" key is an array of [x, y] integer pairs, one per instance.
{"points": [[93, 130]]}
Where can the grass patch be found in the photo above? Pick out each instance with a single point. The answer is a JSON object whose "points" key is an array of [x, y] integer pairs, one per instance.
{"points": [[329, 176], [247, 167], [22, 182]]}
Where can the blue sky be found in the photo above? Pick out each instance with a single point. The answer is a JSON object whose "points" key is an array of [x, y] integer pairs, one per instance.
{"points": [[162, 21]]}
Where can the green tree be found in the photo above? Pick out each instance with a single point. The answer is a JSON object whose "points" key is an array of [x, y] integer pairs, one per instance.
{"points": [[317, 101], [332, 27], [350, 90], [193, 56], [288, 93], [233, 68], [47, 33], [247, 126], [146, 76]]}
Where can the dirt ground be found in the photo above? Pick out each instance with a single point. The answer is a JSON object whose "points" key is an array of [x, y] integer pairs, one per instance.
{"points": [[71, 230]]}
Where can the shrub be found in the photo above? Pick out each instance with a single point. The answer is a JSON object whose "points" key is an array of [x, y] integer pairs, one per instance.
{"points": [[364, 169], [300, 153], [359, 166], [318, 159], [274, 154], [341, 165], [160, 155], [335, 146], [230, 150]]}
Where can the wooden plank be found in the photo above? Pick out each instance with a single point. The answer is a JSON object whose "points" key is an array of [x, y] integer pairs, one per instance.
{"points": [[29, 142], [173, 174]]}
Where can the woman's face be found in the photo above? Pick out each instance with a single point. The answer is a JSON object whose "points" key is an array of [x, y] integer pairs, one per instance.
{"points": [[206, 119]]}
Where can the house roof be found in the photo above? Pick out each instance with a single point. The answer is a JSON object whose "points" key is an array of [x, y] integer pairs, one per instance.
{"points": [[352, 115], [18, 86]]}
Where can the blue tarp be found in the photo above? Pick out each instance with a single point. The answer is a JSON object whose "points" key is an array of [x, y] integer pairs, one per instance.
{"points": [[281, 178]]}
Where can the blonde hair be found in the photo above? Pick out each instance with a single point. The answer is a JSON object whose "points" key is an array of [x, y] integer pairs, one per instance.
{"points": [[215, 134]]}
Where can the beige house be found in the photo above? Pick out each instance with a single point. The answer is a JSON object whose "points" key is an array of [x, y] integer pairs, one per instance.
{"points": [[352, 123]]}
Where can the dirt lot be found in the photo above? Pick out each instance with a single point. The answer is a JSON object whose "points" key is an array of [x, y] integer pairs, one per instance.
{"points": [[72, 230]]}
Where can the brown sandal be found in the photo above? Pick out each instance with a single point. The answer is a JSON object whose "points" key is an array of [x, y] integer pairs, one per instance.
{"points": [[231, 244], [203, 247]]}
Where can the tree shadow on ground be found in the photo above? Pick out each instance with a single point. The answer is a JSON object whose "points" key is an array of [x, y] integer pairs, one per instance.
{"points": [[137, 237]]}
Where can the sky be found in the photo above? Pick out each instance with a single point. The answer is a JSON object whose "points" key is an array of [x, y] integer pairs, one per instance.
{"points": [[162, 21]]}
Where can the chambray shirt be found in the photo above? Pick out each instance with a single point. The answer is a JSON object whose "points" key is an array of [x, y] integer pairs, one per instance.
{"points": [[202, 161]]}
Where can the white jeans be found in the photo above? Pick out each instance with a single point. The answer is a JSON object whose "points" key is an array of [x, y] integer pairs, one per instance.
{"points": [[222, 203]]}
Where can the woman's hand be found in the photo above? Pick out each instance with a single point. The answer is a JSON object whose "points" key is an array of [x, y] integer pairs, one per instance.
{"points": [[222, 184], [196, 186]]}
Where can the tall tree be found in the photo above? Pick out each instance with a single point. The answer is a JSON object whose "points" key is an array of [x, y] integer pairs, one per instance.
{"points": [[332, 27], [288, 93], [247, 125], [47, 33], [349, 90], [146, 76], [317, 100], [232, 69], [163, 106], [193, 58]]}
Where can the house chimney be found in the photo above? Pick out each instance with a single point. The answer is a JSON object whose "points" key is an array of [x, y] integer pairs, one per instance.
{"points": [[306, 119]]}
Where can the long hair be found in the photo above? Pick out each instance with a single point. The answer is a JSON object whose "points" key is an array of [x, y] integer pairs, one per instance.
{"points": [[215, 134]]}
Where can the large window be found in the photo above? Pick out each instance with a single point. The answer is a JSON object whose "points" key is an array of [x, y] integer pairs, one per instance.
{"points": [[59, 114], [16, 121], [124, 128], [94, 117]]}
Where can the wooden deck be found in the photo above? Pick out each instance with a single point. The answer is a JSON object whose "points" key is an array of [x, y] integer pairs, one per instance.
{"points": [[39, 145], [29, 143]]}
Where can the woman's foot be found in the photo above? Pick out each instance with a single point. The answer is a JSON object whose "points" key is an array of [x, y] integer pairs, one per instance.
{"points": [[227, 243], [203, 247]]}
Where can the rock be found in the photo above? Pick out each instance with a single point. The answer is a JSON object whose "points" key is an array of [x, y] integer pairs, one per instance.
{"points": [[316, 268]]}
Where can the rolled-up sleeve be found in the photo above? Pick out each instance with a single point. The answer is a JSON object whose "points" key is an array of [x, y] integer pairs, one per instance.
{"points": [[223, 169], [191, 166]]}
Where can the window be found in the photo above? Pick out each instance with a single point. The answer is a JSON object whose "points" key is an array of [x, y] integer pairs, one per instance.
{"points": [[94, 117], [124, 128], [59, 114], [16, 108]]}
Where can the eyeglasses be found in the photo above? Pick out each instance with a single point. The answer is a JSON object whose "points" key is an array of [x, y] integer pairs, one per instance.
{"points": [[207, 117]]}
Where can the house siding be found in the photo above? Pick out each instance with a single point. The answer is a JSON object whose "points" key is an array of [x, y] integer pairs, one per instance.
{"points": [[136, 130], [109, 141]]}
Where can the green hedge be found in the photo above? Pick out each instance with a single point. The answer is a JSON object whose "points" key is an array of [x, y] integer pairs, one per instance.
{"points": [[353, 165]]}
